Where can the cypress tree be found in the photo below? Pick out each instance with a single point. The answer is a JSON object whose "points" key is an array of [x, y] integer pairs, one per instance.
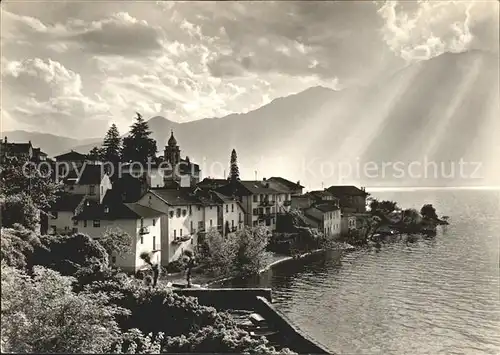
{"points": [[234, 172]]}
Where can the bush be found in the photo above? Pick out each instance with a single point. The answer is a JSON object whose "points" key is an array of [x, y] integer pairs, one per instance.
{"points": [[178, 265], [19, 208], [18, 245], [43, 315]]}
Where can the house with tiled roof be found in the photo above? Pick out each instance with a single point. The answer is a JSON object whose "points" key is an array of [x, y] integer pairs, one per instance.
{"points": [[19, 150], [326, 217], [88, 180], [140, 222], [62, 212], [295, 188], [188, 215], [259, 201], [352, 199]]}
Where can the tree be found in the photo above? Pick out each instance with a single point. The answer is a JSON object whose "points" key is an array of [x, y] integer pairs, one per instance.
{"points": [[219, 254], [234, 172], [138, 146], [112, 145], [190, 263], [155, 268], [116, 242], [43, 315], [251, 245], [19, 208], [18, 175], [95, 154], [428, 212]]}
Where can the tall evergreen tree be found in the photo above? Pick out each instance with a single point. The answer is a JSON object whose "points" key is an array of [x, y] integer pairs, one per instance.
{"points": [[138, 146], [234, 172], [111, 147]]}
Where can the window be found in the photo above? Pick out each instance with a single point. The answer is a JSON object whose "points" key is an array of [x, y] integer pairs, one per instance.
{"points": [[142, 239], [102, 190], [178, 212], [200, 225], [255, 198], [154, 222], [239, 215], [92, 189], [106, 209], [74, 230], [210, 207], [171, 214], [254, 223], [175, 233], [180, 232], [85, 223], [184, 213], [54, 215], [268, 222], [191, 226], [154, 242], [211, 223], [96, 223], [232, 207], [199, 208], [227, 208], [232, 223], [75, 222], [190, 211], [255, 211]]}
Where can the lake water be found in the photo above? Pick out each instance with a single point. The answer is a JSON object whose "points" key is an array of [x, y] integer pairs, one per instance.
{"points": [[437, 296]]}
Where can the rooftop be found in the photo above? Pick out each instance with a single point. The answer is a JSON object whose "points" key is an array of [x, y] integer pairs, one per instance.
{"points": [[70, 156], [346, 190], [67, 202], [287, 183]]}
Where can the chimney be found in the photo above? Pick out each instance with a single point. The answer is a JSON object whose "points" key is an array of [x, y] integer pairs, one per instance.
{"points": [[5, 139], [263, 179]]}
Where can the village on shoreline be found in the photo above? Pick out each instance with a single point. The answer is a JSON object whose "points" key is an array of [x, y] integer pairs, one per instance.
{"points": [[166, 224]]}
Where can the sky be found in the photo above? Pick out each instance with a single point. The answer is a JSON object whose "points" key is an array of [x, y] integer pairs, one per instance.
{"points": [[74, 68]]}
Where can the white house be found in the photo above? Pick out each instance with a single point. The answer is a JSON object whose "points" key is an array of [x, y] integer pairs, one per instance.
{"points": [[326, 217], [348, 222], [231, 212], [62, 213], [140, 222], [186, 218], [92, 182], [258, 201]]}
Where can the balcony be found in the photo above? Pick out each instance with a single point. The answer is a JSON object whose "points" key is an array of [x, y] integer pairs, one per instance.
{"points": [[184, 238], [143, 230]]}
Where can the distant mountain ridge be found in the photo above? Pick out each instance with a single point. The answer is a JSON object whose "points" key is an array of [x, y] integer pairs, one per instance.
{"points": [[443, 110]]}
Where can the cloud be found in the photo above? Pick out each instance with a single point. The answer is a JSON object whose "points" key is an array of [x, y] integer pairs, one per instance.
{"points": [[43, 93], [425, 29], [117, 34]]}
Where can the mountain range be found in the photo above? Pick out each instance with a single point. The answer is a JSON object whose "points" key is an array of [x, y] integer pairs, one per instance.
{"points": [[444, 110]]}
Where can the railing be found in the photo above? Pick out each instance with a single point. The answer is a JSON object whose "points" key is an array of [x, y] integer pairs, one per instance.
{"points": [[178, 240], [143, 230], [266, 203]]}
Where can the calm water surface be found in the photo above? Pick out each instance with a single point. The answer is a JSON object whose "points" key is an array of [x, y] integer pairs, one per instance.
{"points": [[438, 296]]}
